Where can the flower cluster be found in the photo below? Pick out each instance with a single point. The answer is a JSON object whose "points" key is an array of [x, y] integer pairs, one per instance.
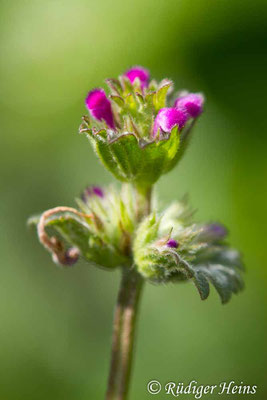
{"points": [[140, 130], [170, 248], [166, 247], [100, 231]]}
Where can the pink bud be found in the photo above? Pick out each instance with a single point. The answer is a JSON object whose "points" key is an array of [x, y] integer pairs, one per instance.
{"points": [[138, 72], [192, 103], [172, 243], [99, 107], [167, 118], [92, 191]]}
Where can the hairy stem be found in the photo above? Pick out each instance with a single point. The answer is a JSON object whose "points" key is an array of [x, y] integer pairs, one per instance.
{"points": [[143, 199], [125, 317], [123, 335]]}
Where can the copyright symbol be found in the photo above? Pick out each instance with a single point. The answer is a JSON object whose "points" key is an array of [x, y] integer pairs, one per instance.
{"points": [[153, 387]]}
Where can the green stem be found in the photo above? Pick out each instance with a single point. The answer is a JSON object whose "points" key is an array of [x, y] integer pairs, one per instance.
{"points": [[125, 317], [123, 335], [143, 199]]}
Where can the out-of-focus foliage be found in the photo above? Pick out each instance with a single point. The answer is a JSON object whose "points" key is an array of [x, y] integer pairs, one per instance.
{"points": [[55, 325]]}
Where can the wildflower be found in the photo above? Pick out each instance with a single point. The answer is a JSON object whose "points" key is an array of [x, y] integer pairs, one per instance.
{"points": [[123, 229]]}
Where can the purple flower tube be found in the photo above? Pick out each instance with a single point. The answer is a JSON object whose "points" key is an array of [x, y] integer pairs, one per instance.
{"points": [[167, 118], [99, 107], [192, 103], [138, 72]]}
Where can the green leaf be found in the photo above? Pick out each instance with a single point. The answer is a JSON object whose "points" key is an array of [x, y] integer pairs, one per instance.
{"points": [[225, 279], [78, 233], [202, 284], [73, 230]]}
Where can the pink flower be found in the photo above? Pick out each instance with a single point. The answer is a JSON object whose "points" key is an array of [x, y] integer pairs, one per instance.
{"points": [[192, 103], [138, 72], [167, 118], [99, 107]]}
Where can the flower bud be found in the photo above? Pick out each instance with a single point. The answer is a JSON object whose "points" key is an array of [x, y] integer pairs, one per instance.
{"points": [[192, 103], [213, 232], [167, 118], [172, 244], [71, 256], [99, 107], [138, 72], [92, 191]]}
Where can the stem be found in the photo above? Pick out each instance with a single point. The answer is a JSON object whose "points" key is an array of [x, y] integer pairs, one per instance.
{"points": [[123, 335], [143, 199], [125, 317]]}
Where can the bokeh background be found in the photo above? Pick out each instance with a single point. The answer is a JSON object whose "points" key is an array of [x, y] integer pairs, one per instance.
{"points": [[55, 324]]}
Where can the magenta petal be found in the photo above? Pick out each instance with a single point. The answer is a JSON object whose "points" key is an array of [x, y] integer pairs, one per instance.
{"points": [[167, 118], [100, 107], [192, 103], [138, 72]]}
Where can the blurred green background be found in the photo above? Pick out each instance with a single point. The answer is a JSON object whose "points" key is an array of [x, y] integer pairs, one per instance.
{"points": [[55, 324]]}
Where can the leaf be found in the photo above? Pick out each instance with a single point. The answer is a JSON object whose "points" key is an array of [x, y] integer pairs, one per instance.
{"points": [[202, 284], [78, 233], [73, 230], [225, 279]]}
